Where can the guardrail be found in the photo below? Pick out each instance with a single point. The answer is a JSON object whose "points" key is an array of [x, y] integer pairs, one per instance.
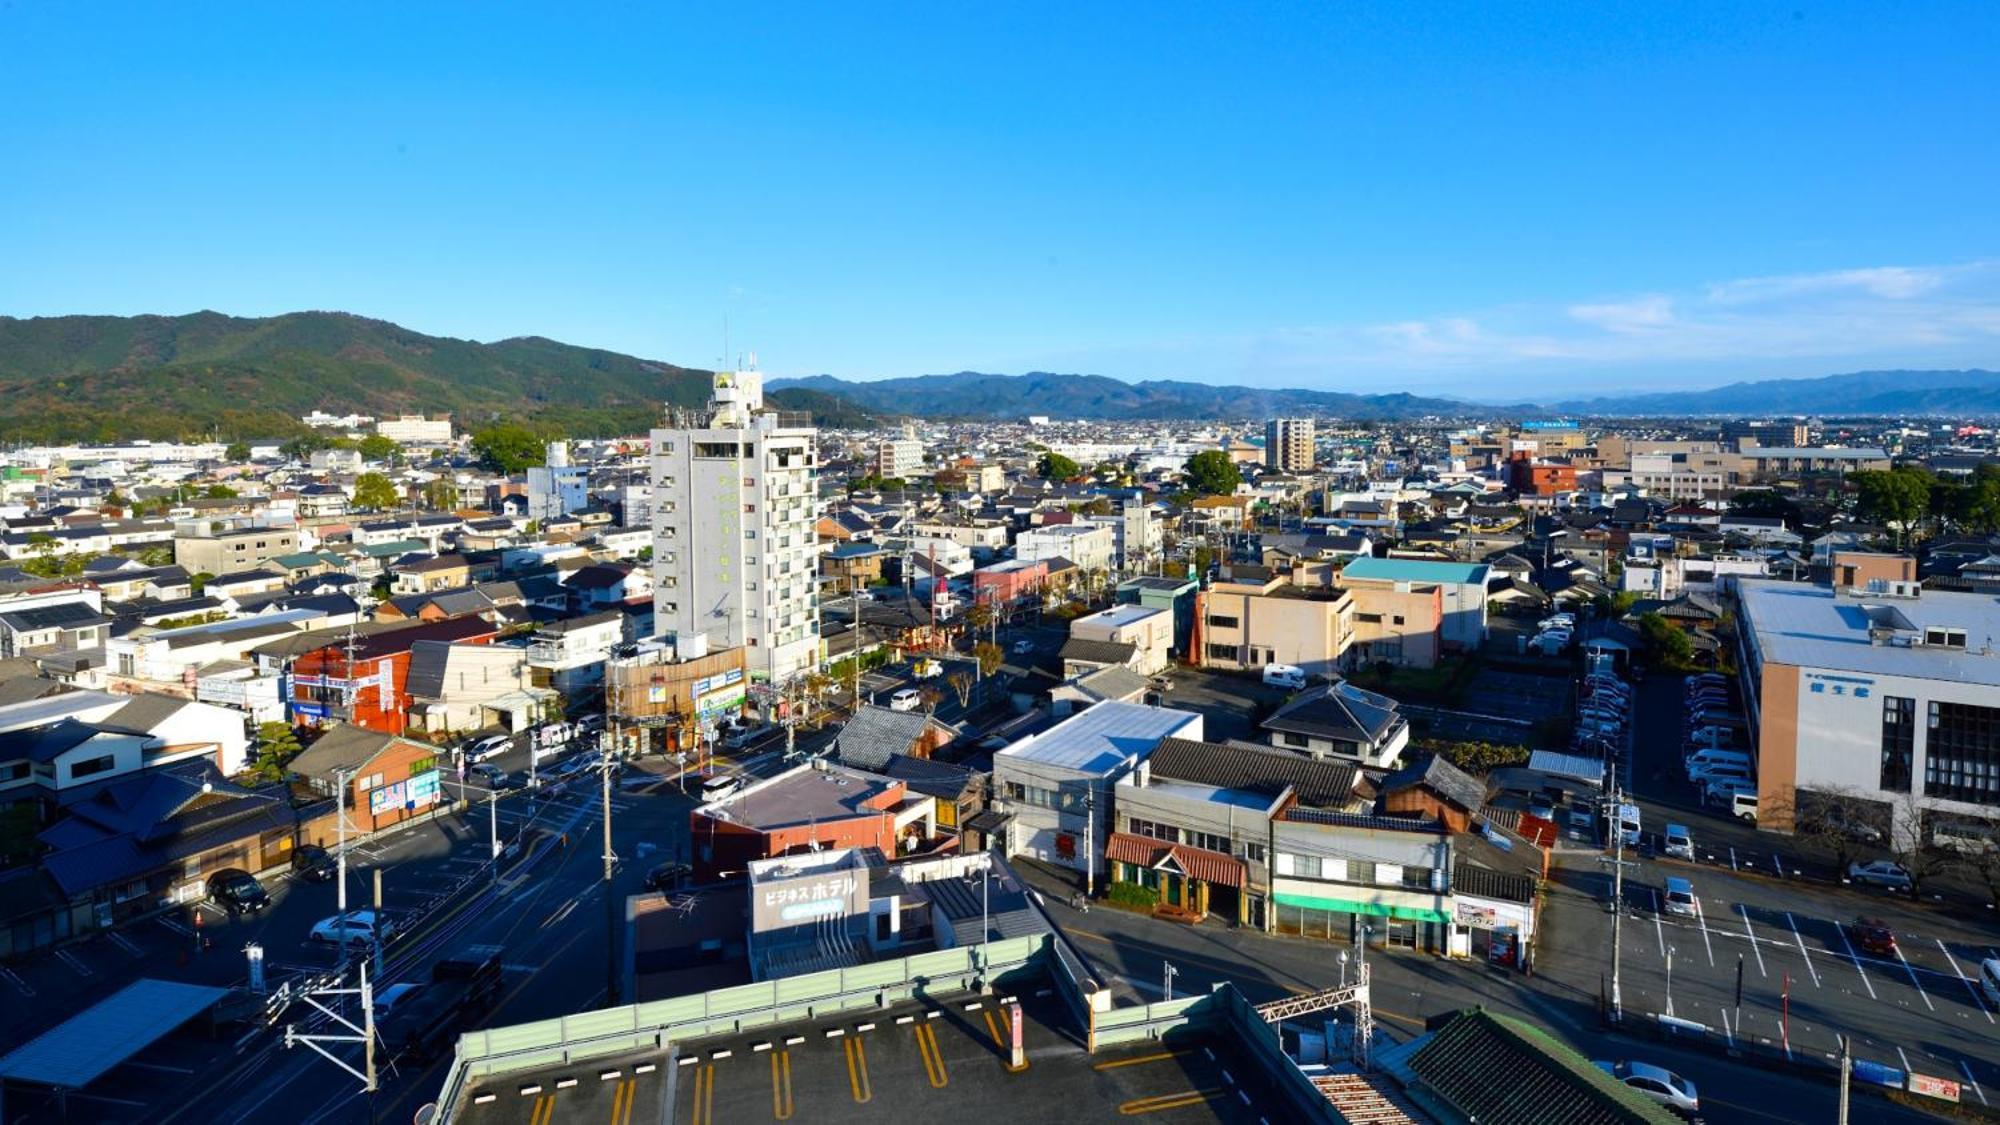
{"points": [[652, 1024]]}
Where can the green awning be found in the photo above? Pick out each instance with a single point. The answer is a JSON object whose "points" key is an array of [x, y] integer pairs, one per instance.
{"points": [[1405, 913]]}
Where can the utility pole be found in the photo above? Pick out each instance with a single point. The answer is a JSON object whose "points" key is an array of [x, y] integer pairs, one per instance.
{"points": [[1089, 843], [1846, 1073], [493, 821], [345, 779], [615, 728], [362, 1033], [1618, 864]]}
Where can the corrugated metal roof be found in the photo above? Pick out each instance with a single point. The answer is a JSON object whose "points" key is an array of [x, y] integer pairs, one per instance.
{"points": [[1416, 570], [1100, 739], [78, 1051]]}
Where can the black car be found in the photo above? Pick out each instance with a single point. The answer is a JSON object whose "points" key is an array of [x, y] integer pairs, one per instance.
{"points": [[668, 877], [310, 861], [237, 891]]}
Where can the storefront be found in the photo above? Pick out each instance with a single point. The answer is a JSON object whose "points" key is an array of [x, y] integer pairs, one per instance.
{"points": [[1493, 930], [1180, 878], [1322, 911]]}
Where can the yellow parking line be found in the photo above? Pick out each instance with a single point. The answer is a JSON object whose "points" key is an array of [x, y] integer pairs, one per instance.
{"points": [[702, 1112], [1114, 1064], [1006, 1048], [544, 1111], [927, 1047], [857, 1069], [781, 1085], [1171, 1101], [621, 1101]]}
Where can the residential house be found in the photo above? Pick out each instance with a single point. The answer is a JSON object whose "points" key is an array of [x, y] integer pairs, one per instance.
{"points": [[1252, 618], [380, 779], [1149, 633], [1339, 720]]}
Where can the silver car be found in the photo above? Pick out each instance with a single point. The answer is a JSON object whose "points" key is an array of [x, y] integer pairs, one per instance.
{"points": [[1658, 1083]]}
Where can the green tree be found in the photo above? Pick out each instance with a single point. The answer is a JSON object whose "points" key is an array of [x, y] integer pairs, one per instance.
{"points": [[1898, 498], [1212, 473], [1979, 502], [219, 492], [1765, 503], [441, 495], [374, 491], [1669, 646], [237, 452], [509, 448], [305, 445], [277, 745], [375, 447], [990, 657], [1054, 466]]}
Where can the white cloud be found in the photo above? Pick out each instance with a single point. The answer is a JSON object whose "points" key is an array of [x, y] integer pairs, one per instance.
{"points": [[1644, 314], [1893, 283]]}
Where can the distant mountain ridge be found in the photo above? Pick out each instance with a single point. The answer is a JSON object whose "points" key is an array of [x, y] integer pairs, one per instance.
{"points": [[105, 377], [979, 395], [1973, 391]]}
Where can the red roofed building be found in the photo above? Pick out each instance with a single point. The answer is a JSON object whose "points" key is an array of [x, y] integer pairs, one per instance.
{"points": [[372, 692]]}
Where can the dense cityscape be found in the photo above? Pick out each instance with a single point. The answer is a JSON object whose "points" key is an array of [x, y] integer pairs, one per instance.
{"points": [[1358, 564]]}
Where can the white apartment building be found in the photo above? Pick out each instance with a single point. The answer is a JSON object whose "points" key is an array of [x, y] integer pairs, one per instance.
{"points": [[1135, 534], [899, 458], [415, 429], [735, 546], [1288, 445], [1088, 545]]}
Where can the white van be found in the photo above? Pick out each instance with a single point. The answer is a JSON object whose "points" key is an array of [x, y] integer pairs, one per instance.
{"points": [[1628, 823], [1711, 757], [1743, 806], [1285, 676], [720, 786]]}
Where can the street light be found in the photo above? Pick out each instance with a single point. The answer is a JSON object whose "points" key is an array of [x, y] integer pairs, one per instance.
{"points": [[1343, 968], [1168, 974]]}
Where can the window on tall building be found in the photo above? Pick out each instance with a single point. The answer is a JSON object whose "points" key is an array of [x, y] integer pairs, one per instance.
{"points": [[1899, 739], [1218, 621], [1962, 753]]}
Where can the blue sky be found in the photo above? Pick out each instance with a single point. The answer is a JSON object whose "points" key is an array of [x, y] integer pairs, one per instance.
{"points": [[1496, 201]]}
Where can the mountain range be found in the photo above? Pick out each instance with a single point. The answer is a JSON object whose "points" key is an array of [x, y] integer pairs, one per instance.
{"points": [[977, 395], [108, 377], [1972, 392], [207, 374]]}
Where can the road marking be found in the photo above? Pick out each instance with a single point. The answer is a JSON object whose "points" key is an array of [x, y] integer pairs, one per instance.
{"points": [[781, 1085], [1907, 1068], [927, 1048], [1160, 1056], [1732, 858], [544, 1110], [1659, 931], [14, 979], [1162, 1102], [621, 1101], [1701, 920], [857, 1069], [1803, 955], [1842, 931], [1975, 1083], [1753, 940], [74, 962], [124, 943], [1914, 980], [1969, 986], [702, 1112], [174, 925], [1778, 865]]}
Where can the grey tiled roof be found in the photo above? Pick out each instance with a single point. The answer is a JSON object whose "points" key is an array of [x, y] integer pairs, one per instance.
{"points": [[1253, 769]]}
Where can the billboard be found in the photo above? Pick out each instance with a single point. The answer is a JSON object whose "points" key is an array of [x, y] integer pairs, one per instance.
{"points": [[782, 903]]}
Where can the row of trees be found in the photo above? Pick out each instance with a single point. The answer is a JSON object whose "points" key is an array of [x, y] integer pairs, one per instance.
{"points": [[1209, 473], [1910, 500], [1848, 826]]}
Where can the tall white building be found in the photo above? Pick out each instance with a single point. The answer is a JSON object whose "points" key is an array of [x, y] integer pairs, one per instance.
{"points": [[899, 458], [735, 545], [415, 429], [1288, 445]]}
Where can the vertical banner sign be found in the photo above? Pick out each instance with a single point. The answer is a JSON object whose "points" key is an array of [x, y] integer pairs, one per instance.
{"points": [[1014, 1018]]}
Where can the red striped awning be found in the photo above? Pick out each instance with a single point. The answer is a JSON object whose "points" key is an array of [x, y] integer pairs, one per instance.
{"points": [[1195, 863]]}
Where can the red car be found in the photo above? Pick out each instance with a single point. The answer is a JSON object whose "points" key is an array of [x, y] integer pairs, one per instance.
{"points": [[1873, 936]]}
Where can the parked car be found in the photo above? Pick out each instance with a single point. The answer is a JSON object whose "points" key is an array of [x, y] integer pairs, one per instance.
{"points": [[490, 775], [314, 863], [1556, 620], [1873, 937], [1658, 1083], [668, 876], [487, 747], [1023, 647], [1881, 873], [354, 928], [720, 785], [1542, 808], [1285, 676], [237, 891], [1989, 980], [1676, 842], [908, 699], [1680, 898], [1722, 791]]}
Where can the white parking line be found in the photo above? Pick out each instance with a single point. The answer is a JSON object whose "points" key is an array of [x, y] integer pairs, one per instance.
{"points": [[1975, 1083], [1753, 939], [1659, 931], [1842, 931], [1803, 955], [1907, 1068], [1914, 980], [1702, 920]]}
